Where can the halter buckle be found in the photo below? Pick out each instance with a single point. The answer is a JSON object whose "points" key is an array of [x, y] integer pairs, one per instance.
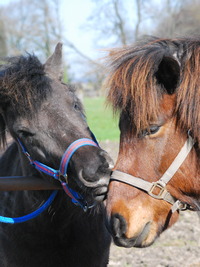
{"points": [[63, 178], [178, 205], [161, 187]]}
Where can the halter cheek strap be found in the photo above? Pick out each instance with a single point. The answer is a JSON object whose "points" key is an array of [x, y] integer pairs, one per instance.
{"points": [[160, 185]]}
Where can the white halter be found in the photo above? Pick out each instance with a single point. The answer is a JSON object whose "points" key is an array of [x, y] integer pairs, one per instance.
{"points": [[162, 182]]}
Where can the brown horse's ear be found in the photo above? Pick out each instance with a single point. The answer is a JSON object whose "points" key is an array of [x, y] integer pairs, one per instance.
{"points": [[168, 74], [53, 65]]}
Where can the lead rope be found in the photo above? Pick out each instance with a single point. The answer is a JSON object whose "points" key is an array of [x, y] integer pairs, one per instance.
{"points": [[31, 215], [60, 175]]}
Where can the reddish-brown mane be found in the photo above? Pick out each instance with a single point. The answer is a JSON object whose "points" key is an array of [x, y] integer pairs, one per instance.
{"points": [[188, 92], [133, 86]]}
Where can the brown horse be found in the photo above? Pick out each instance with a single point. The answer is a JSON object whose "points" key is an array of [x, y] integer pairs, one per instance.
{"points": [[156, 87]]}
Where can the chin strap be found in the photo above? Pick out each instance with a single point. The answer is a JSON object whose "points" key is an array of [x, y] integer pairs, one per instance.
{"points": [[158, 189]]}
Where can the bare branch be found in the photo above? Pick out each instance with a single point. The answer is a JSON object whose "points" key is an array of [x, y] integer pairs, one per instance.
{"points": [[120, 23], [75, 48], [139, 18]]}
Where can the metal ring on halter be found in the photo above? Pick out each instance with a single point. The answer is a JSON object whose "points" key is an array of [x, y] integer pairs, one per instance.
{"points": [[63, 178]]}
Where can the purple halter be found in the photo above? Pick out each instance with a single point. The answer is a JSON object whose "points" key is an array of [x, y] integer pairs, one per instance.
{"points": [[61, 174]]}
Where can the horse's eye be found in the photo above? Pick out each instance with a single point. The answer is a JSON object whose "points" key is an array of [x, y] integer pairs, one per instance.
{"points": [[24, 133], [76, 106], [154, 129], [151, 130]]}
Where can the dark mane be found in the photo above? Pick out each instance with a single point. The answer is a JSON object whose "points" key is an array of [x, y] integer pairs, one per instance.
{"points": [[23, 85], [133, 86]]}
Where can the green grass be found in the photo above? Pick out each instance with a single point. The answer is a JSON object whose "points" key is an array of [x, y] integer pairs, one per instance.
{"points": [[101, 120]]}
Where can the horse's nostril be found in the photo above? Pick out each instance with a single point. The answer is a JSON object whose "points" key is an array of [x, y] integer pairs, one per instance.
{"points": [[118, 225], [108, 161], [95, 182]]}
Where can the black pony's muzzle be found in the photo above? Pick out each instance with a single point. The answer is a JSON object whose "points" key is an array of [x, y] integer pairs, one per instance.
{"points": [[96, 175], [97, 171]]}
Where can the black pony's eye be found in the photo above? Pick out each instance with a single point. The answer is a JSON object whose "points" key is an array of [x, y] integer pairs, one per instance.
{"points": [[24, 133], [76, 106]]}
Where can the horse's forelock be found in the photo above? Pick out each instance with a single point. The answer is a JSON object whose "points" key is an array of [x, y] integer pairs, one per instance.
{"points": [[132, 82], [23, 82]]}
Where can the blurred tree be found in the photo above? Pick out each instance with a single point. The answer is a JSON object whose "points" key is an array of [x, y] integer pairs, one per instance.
{"points": [[117, 22], [32, 25], [3, 49], [178, 18]]}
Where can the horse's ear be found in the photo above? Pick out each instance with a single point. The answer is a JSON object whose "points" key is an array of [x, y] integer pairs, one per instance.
{"points": [[53, 65], [168, 74]]}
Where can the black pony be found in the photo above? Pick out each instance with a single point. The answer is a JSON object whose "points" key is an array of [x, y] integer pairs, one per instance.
{"points": [[44, 114]]}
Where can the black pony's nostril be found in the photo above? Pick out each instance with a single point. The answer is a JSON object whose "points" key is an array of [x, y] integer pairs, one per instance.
{"points": [[118, 225], [108, 162], [98, 167], [94, 172]]}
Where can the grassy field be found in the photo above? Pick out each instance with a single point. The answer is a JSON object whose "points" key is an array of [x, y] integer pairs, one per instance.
{"points": [[100, 119]]}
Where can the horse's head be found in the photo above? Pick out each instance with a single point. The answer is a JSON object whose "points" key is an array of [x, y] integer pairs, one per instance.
{"points": [[46, 116], [156, 89]]}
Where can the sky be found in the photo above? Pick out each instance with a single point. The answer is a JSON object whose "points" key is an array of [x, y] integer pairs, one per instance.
{"points": [[74, 13]]}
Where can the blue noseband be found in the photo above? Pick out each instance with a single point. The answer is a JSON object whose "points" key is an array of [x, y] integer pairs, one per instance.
{"points": [[60, 175]]}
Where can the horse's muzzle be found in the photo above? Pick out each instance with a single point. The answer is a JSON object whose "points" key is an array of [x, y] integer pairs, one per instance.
{"points": [[117, 226], [97, 171], [96, 175]]}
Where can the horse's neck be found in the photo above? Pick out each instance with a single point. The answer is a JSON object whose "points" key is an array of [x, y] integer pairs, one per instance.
{"points": [[10, 163], [14, 163]]}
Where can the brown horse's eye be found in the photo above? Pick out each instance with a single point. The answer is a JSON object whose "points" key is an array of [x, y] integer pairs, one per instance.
{"points": [[150, 131], [154, 129]]}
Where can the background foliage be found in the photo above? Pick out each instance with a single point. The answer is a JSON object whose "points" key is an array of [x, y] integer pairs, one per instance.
{"points": [[101, 120]]}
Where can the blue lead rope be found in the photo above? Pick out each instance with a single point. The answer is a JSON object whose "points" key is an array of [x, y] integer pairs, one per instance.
{"points": [[32, 214], [77, 199]]}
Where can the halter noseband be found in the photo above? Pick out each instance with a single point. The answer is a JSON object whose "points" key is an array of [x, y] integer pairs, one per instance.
{"points": [[61, 174], [150, 188]]}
